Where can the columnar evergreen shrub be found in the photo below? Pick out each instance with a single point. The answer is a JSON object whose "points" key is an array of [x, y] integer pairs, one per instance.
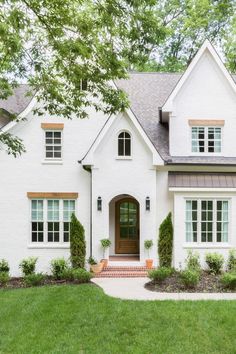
{"points": [[232, 260], [165, 242], [77, 243]]}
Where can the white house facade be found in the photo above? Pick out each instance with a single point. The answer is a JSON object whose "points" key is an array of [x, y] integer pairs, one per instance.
{"points": [[173, 151]]}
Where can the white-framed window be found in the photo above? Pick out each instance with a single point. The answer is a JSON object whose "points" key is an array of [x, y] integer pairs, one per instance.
{"points": [[124, 144], [207, 220], [68, 210], [37, 221], [53, 144], [50, 220], [206, 139]]}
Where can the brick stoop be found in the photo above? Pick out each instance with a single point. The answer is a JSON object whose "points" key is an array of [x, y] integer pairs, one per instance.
{"points": [[123, 272]]}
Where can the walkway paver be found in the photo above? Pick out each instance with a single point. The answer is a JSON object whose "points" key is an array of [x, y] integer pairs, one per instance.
{"points": [[133, 289]]}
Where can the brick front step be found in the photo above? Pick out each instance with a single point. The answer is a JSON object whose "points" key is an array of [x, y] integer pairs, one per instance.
{"points": [[123, 272], [120, 274]]}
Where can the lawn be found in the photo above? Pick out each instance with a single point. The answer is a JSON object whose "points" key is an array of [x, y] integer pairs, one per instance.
{"points": [[81, 319]]}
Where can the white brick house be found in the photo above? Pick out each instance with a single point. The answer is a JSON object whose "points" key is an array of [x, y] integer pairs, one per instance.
{"points": [[173, 151]]}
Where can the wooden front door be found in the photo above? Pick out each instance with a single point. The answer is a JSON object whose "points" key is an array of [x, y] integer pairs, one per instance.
{"points": [[127, 226]]}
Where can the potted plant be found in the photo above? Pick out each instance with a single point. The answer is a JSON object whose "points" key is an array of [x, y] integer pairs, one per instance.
{"points": [[148, 245], [105, 243], [95, 267]]}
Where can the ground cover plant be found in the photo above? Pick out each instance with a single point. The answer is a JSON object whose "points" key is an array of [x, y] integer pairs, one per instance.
{"points": [[81, 319]]}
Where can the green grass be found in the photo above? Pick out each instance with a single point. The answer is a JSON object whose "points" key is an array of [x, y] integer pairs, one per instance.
{"points": [[81, 319]]}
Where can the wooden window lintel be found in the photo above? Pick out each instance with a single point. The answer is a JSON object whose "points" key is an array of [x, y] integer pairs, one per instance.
{"points": [[52, 195]]}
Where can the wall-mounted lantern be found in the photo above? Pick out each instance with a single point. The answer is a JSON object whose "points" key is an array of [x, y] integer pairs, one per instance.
{"points": [[148, 204], [99, 204]]}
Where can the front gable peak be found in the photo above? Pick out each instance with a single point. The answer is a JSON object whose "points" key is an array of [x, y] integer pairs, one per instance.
{"points": [[206, 47]]}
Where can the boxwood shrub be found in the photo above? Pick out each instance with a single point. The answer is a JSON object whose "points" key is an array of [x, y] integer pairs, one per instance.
{"points": [[215, 262], [189, 278], [228, 280], [160, 274], [34, 279], [4, 278]]}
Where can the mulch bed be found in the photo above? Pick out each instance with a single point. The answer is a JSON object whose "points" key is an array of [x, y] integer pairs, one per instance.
{"points": [[17, 283], [209, 283]]}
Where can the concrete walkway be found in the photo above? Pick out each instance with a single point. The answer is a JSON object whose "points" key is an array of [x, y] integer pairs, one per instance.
{"points": [[133, 289]]}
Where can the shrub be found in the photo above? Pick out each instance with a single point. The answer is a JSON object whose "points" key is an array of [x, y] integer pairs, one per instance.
{"points": [[148, 245], [77, 243], [165, 242], [190, 278], [28, 265], [92, 261], [4, 266], [215, 262], [105, 243], [78, 274], [34, 279], [231, 265], [228, 280], [193, 261], [4, 278], [58, 267], [81, 275], [160, 274]]}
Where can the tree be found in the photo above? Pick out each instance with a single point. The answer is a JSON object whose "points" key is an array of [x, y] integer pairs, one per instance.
{"points": [[54, 44], [165, 242], [189, 23], [77, 243]]}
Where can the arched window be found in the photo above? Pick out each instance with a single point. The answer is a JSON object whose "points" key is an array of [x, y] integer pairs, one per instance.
{"points": [[124, 144]]}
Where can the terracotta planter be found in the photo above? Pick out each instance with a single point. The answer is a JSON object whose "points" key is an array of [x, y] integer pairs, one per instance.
{"points": [[149, 263], [96, 268], [104, 262]]}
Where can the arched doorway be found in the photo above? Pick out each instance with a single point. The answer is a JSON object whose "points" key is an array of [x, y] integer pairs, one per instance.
{"points": [[127, 226]]}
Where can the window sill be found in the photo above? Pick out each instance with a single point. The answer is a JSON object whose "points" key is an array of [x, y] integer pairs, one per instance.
{"points": [[48, 246], [124, 158], [207, 245], [52, 162]]}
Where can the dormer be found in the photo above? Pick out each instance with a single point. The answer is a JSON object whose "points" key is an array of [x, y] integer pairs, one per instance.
{"points": [[201, 110]]}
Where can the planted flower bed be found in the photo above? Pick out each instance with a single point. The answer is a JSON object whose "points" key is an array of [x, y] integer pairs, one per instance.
{"points": [[62, 273], [208, 283], [193, 278]]}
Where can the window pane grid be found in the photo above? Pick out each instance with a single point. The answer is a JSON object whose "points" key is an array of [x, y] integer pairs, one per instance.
{"points": [[124, 144], [37, 221], [68, 210], [206, 139], [207, 221], [53, 145], [222, 221], [191, 221]]}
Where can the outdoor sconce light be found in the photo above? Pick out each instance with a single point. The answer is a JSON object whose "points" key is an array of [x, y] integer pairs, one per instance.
{"points": [[99, 204], [148, 204]]}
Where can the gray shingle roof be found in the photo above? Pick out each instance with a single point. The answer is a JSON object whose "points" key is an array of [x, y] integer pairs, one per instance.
{"points": [[147, 92], [201, 180], [18, 101]]}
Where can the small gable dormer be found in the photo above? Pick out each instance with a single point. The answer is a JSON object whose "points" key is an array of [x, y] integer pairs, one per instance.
{"points": [[201, 109]]}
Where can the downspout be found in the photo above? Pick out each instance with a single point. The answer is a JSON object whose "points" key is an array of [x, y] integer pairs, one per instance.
{"points": [[88, 169]]}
